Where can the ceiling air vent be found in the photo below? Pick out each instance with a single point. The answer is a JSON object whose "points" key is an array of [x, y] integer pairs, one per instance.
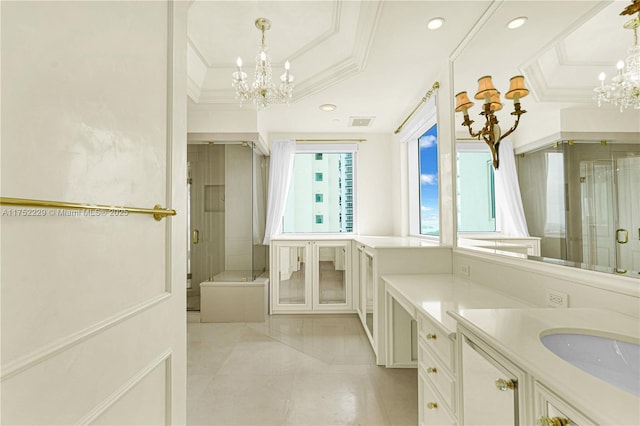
{"points": [[360, 121]]}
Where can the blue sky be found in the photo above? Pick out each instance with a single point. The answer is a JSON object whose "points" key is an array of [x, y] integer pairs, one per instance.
{"points": [[428, 157]]}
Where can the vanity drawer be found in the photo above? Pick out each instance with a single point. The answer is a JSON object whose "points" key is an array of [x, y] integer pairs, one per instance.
{"points": [[432, 409], [438, 375], [437, 340]]}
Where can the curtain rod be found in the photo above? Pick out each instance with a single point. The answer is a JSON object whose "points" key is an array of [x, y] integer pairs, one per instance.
{"points": [[331, 140], [424, 99]]}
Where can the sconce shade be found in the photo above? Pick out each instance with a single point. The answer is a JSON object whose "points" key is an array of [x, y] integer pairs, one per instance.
{"points": [[485, 87], [462, 102], [516, 88], [494, 100]]}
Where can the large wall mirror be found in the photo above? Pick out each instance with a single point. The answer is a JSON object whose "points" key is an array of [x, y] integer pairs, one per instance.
{"points": [[577, 165]]}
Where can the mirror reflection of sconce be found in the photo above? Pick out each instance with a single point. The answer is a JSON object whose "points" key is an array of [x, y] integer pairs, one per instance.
{"points": [[491, 132]]}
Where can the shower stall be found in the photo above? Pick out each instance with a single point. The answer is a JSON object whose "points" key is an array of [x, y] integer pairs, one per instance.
{"points": [[581, 197], [226, 189]]}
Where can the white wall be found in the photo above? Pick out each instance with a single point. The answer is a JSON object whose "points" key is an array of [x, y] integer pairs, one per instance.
{"points": [[528, 280], [222, 118], [606, 119]]}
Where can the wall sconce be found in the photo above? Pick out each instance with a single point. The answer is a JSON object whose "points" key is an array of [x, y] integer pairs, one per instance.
{"points": [[491, 132]]}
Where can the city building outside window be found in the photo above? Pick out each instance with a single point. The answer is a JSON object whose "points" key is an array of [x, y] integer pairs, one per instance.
{"points": [[321, 196]]}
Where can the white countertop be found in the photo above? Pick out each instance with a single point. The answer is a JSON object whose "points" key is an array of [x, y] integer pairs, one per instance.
{"points": [[516, 333], [395, 242], [436, 294], [367, 240]]}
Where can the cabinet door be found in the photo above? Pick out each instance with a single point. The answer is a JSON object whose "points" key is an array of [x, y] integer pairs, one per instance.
{"points": [[332, 289], [357, 275], [369, 289], [489, 390], [292, 286], [551, 410]]}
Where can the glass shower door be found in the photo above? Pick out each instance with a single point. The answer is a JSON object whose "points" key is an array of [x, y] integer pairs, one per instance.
{"points": [[628, 227], [598, 224], [610, 206]]}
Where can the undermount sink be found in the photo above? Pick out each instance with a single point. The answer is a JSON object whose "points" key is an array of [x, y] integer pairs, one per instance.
{"points": [[615, 361]]}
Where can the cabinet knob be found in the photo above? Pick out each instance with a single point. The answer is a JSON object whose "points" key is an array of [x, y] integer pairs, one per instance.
{"points": [[556, 421], [431, 336], [504, 385], [432, 405], [432, 370]]}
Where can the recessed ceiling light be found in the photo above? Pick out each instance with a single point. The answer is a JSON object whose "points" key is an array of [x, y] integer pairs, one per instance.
{"points": [[327, 107], [435, 23], [517, 22]]}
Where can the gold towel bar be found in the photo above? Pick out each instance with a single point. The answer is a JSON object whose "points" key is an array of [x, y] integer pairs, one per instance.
{"points": [[157, 211], [424, 99]]}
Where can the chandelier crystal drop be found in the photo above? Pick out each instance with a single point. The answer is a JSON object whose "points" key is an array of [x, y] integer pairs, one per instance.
{"points": [[624, 88], [263, 91]]}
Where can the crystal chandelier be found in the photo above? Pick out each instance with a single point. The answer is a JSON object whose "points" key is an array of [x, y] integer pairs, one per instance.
{"points": [[263, 90], [624, 88]]}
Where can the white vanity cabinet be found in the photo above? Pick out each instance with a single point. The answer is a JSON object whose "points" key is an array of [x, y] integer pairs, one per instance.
{"points": [[547, 389], [377, 256], [437, 391], [418, 309], [492, 389], [311, 276]]}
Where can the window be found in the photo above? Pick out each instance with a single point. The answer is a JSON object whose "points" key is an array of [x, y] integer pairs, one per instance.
{"points": [[475, 186], [428, 169], [328, 207], [421, 136]]}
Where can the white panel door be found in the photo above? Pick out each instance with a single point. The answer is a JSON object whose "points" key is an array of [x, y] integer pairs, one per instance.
{"points": [[93, 305]]}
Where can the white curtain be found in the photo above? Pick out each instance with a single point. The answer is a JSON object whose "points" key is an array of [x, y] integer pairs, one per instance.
{"points": [[510, 219], [280, 170], [534, 174]]}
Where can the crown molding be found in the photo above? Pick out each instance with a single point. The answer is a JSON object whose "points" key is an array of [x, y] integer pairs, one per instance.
{"points": [[544, 93], [368, 18], [193, 89]]}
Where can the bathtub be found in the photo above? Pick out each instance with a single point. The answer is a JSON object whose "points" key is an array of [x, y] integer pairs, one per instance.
{"points": [[230, 297]]}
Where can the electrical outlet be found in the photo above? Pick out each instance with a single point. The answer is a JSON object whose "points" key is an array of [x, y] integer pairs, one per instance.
{"points": [[465, 270], [556, 299]]}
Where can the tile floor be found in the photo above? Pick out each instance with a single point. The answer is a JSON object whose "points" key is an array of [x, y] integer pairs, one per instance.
{"points": [[293, 370]]}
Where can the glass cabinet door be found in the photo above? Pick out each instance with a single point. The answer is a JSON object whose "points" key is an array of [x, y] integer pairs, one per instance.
{"points": [[293, 275], [369, 281], [331, 274]]}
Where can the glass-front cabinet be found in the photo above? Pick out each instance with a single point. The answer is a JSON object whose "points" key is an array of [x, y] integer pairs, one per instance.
{"points": [[366, 291], [292, 290], [311, 276]]}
